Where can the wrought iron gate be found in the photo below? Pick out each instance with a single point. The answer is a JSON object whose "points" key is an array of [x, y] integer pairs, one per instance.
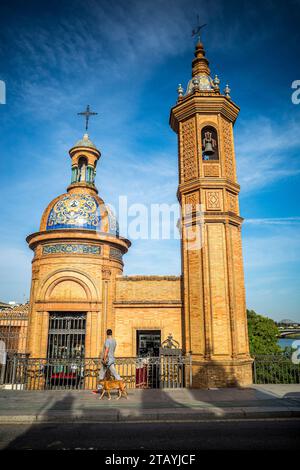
{"points": [[66, 337], [66, 347]]}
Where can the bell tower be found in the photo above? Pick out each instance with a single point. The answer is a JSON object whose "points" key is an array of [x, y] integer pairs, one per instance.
{"points": [[213, 291]]}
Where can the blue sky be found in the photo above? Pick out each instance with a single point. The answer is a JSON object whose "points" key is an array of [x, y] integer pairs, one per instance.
{"points": [[126, 58]]}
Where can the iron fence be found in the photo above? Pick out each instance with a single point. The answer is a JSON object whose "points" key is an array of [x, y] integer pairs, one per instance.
{"points": [[275, 369], [24, 373]]}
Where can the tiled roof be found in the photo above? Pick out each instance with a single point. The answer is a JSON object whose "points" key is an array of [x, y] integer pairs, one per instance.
{"points": [[16, 311]]}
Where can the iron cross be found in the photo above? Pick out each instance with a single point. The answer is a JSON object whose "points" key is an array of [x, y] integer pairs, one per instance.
{"points": [[196, 31], [87, 113]]}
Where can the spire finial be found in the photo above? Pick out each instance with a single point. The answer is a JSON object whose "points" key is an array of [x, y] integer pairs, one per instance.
{"points": [[87, 113], [200, 63], [197, 30]]}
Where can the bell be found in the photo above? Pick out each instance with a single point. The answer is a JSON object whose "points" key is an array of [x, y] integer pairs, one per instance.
{"points": [[208, 150]]}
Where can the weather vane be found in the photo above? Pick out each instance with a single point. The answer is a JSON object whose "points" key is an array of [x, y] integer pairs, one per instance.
{"points": [[196, 31], [87, 113]]}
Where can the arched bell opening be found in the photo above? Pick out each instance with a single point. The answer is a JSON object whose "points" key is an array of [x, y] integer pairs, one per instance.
{"points": [[209, 139], [82, 169]]}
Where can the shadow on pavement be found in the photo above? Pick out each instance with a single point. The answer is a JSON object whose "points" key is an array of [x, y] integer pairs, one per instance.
{"points": [[30, 438]]}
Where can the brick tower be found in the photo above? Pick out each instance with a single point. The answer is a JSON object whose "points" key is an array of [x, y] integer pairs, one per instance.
{"points": [[213, 292]]}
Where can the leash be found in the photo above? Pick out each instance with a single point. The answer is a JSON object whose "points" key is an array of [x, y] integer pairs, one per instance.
{"points": [[107, 367]]}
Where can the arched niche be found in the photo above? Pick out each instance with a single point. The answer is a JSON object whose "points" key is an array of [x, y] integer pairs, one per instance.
{"points": [[68, 285], [209, 142], [67, 289], [82, 169]]}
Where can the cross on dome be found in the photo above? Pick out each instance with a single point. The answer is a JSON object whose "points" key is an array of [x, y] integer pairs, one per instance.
{"points": [[87, 113]]}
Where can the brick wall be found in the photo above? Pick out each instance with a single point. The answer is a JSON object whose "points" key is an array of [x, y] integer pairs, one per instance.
{"points": [[146, 303]]}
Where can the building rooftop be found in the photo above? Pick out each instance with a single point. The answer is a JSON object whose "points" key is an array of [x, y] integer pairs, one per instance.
{"points": [[21, 310]]}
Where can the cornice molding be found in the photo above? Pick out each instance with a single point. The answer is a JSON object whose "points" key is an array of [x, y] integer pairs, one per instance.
{"points": [[205, 105], [207, 183], [69, 235]]}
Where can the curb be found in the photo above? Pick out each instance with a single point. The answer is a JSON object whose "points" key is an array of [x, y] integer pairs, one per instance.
{"points": [[128, 416]]}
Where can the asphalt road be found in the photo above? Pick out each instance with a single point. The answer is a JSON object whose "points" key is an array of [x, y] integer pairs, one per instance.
{"points": [[221, 435]]}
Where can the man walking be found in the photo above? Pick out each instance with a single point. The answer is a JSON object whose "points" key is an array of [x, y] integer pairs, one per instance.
{"points": [[108, 357]]}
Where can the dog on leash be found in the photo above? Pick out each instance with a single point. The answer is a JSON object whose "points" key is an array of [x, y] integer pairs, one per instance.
{"points": [[113, 385]]}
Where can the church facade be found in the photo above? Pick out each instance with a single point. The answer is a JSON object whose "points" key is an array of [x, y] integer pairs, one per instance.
{"points": [[78, 284]]}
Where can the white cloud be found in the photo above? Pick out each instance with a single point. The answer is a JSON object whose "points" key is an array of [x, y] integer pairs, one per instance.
{"points": [[115, 47], [271, 250], [265, 152], [273, 221]]}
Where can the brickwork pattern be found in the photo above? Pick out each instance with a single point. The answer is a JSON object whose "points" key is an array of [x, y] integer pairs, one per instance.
{"points": [[147, 289], [189, 153], [228, 149], [191, 201], [232, 202], [218, 290], [211, 170]]}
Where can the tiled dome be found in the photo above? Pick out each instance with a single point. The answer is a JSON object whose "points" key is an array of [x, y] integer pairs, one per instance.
{"points": [[205, 83], [79, 211], [75, 211]]}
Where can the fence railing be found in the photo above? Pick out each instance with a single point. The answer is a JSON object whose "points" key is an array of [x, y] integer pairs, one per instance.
{"points": [[22, 372], [275, 369]]}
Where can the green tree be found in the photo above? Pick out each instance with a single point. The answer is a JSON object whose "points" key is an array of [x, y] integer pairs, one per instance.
{"points": [[271, 364], [262, 334]]}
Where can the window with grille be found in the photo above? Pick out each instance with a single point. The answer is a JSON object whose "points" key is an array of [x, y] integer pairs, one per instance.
{"points": [[66, 337], [148, 342], [10, 335]]}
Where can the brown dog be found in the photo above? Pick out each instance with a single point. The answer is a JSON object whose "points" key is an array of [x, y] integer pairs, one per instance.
{"points": [[112, 385]]}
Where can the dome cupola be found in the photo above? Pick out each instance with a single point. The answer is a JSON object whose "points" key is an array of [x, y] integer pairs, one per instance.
{"points": [[84, 156], [79, 210], [81, 207]]}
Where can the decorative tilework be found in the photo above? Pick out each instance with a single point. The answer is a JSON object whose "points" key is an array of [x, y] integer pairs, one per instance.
{"points": [[71, 248], [205, 83], [115, 253], [75, 211]]}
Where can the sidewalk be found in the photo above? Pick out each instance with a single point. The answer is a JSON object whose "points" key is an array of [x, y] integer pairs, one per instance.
{"points": [[258, 401]]}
